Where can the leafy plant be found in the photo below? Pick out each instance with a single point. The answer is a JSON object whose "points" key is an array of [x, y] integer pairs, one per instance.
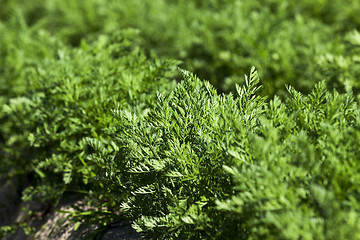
{"points": [[341, 69], [218, 40], [203, 165], [302, 183], [67, 111], [89, 105], [168, 172]]}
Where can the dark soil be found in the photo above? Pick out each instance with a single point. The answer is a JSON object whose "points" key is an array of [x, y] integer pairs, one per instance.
{"points": [[10, 213]]}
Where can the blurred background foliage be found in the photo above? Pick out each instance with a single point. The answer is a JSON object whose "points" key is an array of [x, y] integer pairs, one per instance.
{"points": [[289, 42], [67, 68]]}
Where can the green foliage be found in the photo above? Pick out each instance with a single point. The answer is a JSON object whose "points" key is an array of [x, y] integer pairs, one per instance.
{"points": [[87, 105], [218, 40], [66, 111], [21, 47], [303, 183], [69, 99], [290, 165], [169, 170], [341, 69]]}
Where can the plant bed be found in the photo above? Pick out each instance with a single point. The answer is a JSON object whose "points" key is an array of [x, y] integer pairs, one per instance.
{"points": [[97, 112]]}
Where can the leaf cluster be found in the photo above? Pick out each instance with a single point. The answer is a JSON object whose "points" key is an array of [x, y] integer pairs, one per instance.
{"points": [[203, 165], [218, 40], [50, 131], [88, 106]]}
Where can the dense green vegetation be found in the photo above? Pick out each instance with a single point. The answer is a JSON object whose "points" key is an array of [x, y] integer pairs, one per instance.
{"points": [[93, 102]]}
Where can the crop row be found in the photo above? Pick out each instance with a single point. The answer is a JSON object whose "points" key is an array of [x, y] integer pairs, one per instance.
{"points": [[108, 114]]}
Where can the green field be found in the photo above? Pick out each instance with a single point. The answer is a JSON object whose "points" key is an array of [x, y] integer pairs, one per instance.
{"points": [[213, 119]]}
